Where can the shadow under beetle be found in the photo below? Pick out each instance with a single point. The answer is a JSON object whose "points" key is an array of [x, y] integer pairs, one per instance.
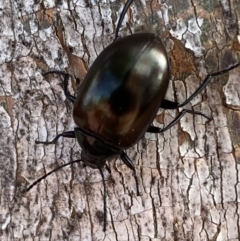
{"points": [[119, 98]]}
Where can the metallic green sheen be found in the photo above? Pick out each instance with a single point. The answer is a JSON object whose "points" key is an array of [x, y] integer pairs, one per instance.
{"points": [[123, 90]]}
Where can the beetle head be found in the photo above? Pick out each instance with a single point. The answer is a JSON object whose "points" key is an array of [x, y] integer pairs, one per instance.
{"points": [[95, 152]]}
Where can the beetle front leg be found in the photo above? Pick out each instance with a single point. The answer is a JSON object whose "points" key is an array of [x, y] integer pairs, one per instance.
{"points": [[68, 134], [65, 84], [154, 129]]}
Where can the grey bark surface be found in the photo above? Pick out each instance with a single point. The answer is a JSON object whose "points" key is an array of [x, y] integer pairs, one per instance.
{"points": [[189, 176]]}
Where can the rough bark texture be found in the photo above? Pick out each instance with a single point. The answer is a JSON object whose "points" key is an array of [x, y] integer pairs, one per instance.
{"points": [[189, 176]]}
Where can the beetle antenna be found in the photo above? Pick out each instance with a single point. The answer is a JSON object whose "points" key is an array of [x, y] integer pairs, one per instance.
{"points": [[123, 13], [49, 173], [104, 201]]}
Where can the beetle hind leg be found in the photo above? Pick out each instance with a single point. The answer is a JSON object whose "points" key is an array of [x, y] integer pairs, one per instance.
{"points": [[65, 84], [166, 104], [206, 81]]}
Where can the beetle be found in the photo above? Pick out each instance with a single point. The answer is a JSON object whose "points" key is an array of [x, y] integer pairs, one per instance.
{"points": [[119, 98]]}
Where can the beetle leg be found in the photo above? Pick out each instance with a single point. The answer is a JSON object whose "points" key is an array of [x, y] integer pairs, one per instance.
{"points": [[167, 104], [104, 201], [68, 134], [205, 83], [123, 13], [127, 161], [154, 129], [65, 84], [108, 168]]}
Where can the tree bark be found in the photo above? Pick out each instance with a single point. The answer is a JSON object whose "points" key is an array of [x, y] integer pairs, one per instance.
{"points": [[189, 176]]}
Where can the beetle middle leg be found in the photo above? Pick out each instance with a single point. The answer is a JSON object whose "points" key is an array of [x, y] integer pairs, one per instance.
{"points": [[154, 129], [65, 84]]}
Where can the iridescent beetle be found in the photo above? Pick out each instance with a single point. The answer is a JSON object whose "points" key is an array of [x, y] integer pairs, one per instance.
{"points": [[119, 98]]}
